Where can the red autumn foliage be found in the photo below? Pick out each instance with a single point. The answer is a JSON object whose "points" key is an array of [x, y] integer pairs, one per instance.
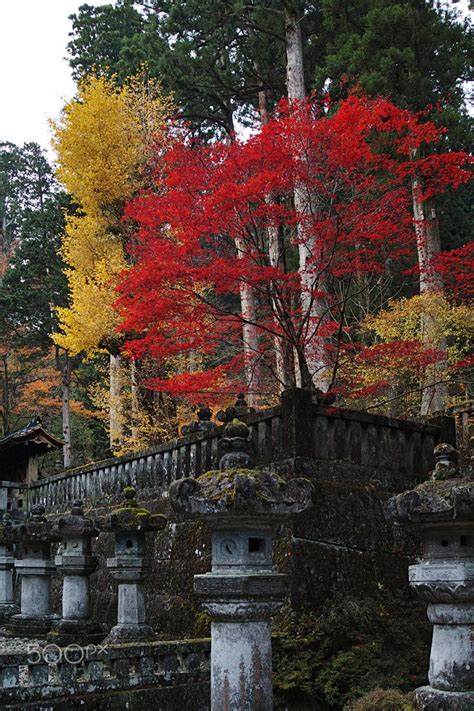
{"points": [[182, 293]]}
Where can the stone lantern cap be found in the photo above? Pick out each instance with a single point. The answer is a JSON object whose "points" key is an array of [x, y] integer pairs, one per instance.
{"points": [[76, 524], [448, 497], [239, 494], [37, 529], [129, 516]]}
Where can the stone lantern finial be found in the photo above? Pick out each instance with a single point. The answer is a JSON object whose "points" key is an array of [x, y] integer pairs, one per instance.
{"points": [[235, 444], [445, 462], [240, 410], [203, 424]]}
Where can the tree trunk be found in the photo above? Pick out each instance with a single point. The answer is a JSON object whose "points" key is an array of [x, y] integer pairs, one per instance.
{"points": [[310, 257], [5, 396], [115, 415], [253, 369], [134, 428], [66, 411], [434, 393], [284, 362]]}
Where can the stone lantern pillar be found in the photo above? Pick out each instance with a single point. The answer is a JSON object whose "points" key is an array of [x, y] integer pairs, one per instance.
{"points": [[441, 511], [35, 568], [241, 593], [129, 523], [7, 561], [76, 563]]}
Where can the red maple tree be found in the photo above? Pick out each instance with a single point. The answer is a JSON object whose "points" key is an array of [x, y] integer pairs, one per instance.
{"points": [[204, 232]]}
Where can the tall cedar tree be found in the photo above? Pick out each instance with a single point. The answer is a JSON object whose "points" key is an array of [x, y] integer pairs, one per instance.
{"points": [[32, 286]]}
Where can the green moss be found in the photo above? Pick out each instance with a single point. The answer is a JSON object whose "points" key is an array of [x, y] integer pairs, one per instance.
{"points": [[440, 487], [227, 474], [217, 484], [132, 511], [202, 625], [383, 700]]}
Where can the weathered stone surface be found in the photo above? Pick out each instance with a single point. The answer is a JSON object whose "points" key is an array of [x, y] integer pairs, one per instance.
{"points": [[76, 563], [89, 677], [129, 566], [442, 512], [192, 697], [430, 699], [241, 493]]}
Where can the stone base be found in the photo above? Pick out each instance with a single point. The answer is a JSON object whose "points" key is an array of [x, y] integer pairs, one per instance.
{"points": [[121, 634], [7, 610], [430, 699], [81, 632], [23, 626]]}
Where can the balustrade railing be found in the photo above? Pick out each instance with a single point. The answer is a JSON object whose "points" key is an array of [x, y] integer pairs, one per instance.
{"points": [[292, 429], [45, 672]]}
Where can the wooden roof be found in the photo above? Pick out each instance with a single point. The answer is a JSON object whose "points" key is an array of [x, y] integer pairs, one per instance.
{"points": [[34, 436]]}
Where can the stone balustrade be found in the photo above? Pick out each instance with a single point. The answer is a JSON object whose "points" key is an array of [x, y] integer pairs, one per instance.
{"points": [[295, 430], [50, 671]]}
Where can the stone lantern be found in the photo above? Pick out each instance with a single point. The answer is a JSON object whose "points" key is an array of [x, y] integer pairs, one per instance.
{"points": [[76, 563], [240, 410], [441, 512], [7, 562], [35, 568], [129, 523], [241, 593], [202, 424]]}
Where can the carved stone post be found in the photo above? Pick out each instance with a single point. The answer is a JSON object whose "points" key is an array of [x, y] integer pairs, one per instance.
{"points": [[442, 511], [7, 561], [76, 563], [241, 593], [35, 568], [129, 522]]}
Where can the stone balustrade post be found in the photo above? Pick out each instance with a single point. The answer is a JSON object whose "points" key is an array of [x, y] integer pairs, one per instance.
{"points": [[242, 592], [442, 511], [76, 563], [35, 569], [129, 566], [7, 561]]}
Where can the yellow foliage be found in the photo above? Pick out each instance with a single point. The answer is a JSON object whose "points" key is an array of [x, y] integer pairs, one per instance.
{"points": [[140, 426], [103, 140], [428, 319], [95, 258]]}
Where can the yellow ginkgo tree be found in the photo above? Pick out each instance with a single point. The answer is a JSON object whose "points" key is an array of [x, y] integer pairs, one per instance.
{"points": [[103, 140]]}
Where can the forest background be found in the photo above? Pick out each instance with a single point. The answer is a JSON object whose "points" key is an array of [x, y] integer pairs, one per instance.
{"points": [[246, 297]]}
